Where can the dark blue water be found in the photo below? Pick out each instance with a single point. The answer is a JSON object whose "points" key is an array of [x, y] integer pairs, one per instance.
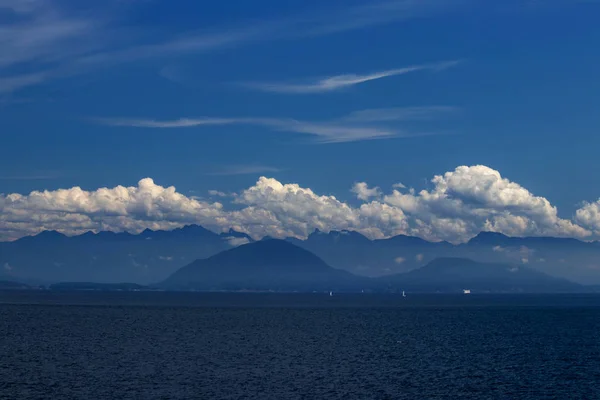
{"points": [[251, 346]]}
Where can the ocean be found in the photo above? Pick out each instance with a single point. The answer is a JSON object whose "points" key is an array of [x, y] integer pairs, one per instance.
{"points": [[160, 345]]}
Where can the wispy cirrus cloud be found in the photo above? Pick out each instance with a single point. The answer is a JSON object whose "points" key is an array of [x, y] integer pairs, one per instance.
{"points": [[242, 170], [324, 131], [361, 125], [369, 13], [15, 82], [338, 82], [56, 41], [400, 113], [27, 177], [176, 123]]}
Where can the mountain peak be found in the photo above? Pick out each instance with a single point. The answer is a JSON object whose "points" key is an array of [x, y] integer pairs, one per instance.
{"points": [[489, 238], [49, 235], [193, 228], [269, 252], [264, 265], [337, 234]]}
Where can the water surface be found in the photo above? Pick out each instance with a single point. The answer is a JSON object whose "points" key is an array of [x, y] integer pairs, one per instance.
{"points": [[297, 346]]}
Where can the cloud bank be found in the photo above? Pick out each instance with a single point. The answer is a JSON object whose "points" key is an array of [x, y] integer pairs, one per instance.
{"points": [[460, 204]]}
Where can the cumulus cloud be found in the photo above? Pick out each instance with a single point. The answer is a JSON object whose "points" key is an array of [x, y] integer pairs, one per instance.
{"points": [[589, 216], [475, 198], [290, 210], [399, 260], [217, 193], [74, 210], [460, 204], [237, 241], [363, 192]]}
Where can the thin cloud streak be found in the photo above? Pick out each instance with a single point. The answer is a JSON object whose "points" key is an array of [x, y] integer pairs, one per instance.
{"points": [[338, 82], [243, 170], [16, 82], [356, 126], [177, 123], [326, 132], [371, 14], [28, 177], [61, 43], [399, 114]]}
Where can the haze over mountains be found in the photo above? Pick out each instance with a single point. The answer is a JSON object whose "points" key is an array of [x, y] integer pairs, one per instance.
{"points": [[277, 265], [266, 265], [152, 256]]}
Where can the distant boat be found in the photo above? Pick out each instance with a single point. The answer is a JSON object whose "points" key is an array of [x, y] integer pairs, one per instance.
{"points": [[466, 291], [330, 294], [403, 294]]}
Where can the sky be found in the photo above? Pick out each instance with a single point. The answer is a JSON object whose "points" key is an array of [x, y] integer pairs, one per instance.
{"points": [[433, 118]]}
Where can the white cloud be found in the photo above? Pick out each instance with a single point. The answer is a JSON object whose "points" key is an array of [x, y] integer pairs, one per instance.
{"points": [[177, 123], [279, 209], [462, 203], [399, 260], [57, 40], [217, 193], [419, 257], [399, 114], [12, 83], [363, 192], [471, 199], [326, 132], [74, 210], [337, 82], [237, 241], [398, 185], [345, 129], [8, 267], [244, 170], [589, 216], [40, 177]]}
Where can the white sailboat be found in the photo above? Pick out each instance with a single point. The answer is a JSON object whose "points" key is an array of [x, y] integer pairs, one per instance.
{"points": [[403, 294], [330, 294], [466, 291]]}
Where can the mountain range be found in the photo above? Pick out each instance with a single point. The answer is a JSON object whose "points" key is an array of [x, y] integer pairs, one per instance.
{"points": [[267, 265], [277, 265], [152, 256]]}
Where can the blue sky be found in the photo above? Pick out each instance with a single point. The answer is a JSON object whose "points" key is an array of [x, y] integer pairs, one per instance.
{"points": [[96, 96]]}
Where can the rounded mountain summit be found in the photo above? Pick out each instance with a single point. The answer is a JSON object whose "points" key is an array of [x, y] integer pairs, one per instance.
{"points": [[264, 265]]}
